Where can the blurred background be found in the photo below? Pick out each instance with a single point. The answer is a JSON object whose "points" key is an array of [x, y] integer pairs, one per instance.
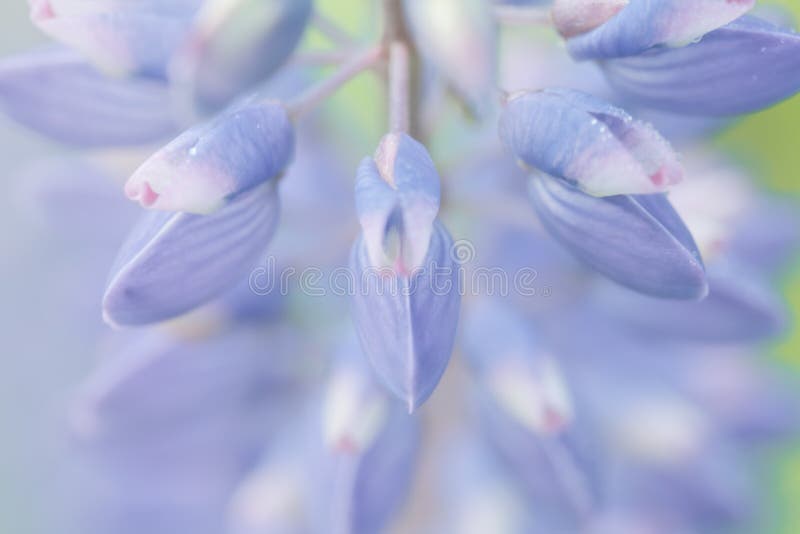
{"points": [[45, 352]]}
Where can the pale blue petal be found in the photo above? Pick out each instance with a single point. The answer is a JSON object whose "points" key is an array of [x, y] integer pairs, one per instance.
{"points": [[587, 142], [173, 262], [637, 241], [120, 41], [745, 66], [56, 93], [208, 164], [398, 191], [407, 323], [230, 51], [643, 24], [739, 308], [561, 474], [165, 430], [369, 489]]}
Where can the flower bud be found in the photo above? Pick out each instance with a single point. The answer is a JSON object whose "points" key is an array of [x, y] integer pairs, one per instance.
{"points": [[406, 279], [209, 164], [638, 241], [591, 144]]}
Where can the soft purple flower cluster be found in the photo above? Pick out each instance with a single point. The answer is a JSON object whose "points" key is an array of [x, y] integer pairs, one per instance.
{"points": [[626, 395]]}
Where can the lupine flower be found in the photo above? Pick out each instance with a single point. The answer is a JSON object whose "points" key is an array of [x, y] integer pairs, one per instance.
{"points": [[608, 373], [120, 37], [173, 262], [644, 246], [618, 29], [588, 143], [197, 171], [232, 46], [399, 291], [55, 92], [460, 39]]}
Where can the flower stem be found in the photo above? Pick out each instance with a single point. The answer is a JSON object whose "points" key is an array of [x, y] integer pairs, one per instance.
{"points": [[523, 15], [399, 87], [318, 93], [402, 97], [317, 58]]}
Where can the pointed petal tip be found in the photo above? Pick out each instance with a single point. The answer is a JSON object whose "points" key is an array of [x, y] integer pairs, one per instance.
{"points": [[141, 192], [41, 10]]}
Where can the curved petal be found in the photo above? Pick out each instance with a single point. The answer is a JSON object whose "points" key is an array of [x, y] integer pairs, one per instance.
{"points": [[559, 472], [173, 262], [745, 66], [460, 39], [207, 165], [356, 407], [56, 93], [397, 191], [637, 241], [369, 488], [166, 429], [124, 39], [587, 142], [524, 380], [643, 24], [407, 323], [739, 308], [234, 46]]}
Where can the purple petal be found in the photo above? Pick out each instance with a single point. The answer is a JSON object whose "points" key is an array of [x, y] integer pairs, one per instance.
{"points": [[370, 488], [173, 262], [525, 381], [121, 38], [208, 164], [637, 241], [355, 407], [745, 66], [229, 51], [643, 24], [587, 142], [397, 192], [559, 472], [395, 316], [166, 429], [58, 94], [739, 308]]}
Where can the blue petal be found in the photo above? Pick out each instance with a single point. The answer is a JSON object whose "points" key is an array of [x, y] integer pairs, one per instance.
{"points": [[560, 473], [587, 142], [407, 323], [230, 51], [120, 38], [370, 488], [745, 66], [739, 308], [206, 165], [397, 191], [58, 94], [643, 24], [166, 430], [173, 262], [525, 381], [637, 241]]}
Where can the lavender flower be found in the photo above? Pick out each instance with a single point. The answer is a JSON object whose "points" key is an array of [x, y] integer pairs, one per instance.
{"points": [[295, 392]]}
